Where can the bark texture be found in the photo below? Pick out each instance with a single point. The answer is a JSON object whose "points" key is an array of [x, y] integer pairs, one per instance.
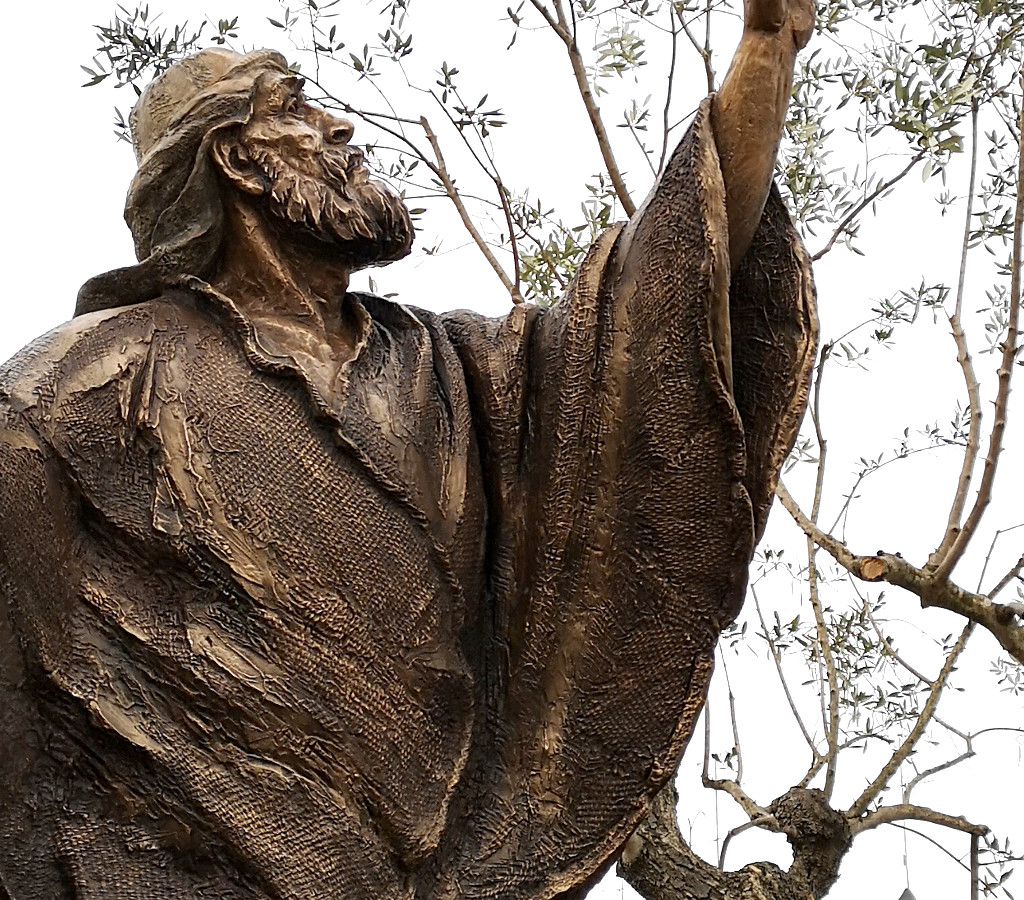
{"points": [[660, 865]]}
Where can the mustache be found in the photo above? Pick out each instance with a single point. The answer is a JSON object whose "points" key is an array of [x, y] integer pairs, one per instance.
{"points": [[330, 198], [342, 166]]}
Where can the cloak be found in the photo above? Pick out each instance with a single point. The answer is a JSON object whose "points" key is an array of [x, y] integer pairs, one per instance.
{"points": [[443, 636]]}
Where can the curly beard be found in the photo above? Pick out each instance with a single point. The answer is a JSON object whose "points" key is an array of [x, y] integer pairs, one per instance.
{"points": [[362, 221]]}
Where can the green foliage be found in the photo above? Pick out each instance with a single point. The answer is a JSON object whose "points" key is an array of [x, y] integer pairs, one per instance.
{"points": [[906, 100]]}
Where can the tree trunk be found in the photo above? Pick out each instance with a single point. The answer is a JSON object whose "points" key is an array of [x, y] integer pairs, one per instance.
{"points": [[659, 865]]}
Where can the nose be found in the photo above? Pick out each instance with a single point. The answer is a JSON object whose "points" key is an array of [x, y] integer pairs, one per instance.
{"points": [[338, 131]]}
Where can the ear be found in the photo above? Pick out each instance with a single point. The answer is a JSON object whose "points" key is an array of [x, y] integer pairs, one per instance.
{"points": [[234, 162]]}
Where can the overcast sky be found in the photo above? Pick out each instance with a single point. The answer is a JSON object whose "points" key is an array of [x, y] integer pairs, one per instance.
{"points": [[66, 178]]}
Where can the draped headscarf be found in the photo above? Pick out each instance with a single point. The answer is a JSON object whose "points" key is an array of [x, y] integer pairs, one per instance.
{"points": [[174, 208]]}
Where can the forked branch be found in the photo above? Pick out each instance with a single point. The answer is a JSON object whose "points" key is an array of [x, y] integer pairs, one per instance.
{"points": [[963, 358], [1002, 620], [900, 754], [1003, 375]]}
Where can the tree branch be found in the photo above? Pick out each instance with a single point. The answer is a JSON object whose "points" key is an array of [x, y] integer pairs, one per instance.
{"points": [[988, 558], [1002, 620], [441, 170], [883, 641], [737, 793], [767, 822], [782, 678], [735, 724], [902, 811], [867, 201], [1015, 571], [491, 170], [1004, 375], [932, 840], [730, 787], [824, 640], [963, 358], [561, 28], [703, 50], [668, 91], [934, 770], [901, 753]]}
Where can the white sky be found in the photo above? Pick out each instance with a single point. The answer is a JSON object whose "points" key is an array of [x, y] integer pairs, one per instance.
{"points": [[66, 177]]}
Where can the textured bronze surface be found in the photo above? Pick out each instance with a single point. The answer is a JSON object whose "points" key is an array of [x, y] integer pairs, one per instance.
{"points": [[304, 593]]}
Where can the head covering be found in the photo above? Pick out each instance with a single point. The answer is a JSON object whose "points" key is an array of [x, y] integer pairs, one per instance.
{"points": [[174, 208]]}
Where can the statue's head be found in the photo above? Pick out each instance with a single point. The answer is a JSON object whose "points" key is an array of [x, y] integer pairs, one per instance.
{"points": [[221, 122]]}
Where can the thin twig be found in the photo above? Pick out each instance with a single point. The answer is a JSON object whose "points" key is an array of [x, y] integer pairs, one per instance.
{"points": [[708, 70], [824, 640], [668, 91], [735, 723], [442, 173], [966, 738], [513, 243], [884, 641], [865, 473], [963, 358], [730, 787], [867, 201], [643, 147], [561, 28], [996, 728], [934, 770], [768, 822], [845, 745], [991, 548], [1014, 572], [491, 170], [782, 678], [901, 753], [1004, 376], [703, 52], [932, 840], [316, 49]]}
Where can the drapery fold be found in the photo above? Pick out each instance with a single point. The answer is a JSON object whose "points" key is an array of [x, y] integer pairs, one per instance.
{"points": [[442, 635]]}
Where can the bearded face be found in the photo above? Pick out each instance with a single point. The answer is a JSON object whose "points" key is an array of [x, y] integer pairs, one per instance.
{"points": [[315, 183]]}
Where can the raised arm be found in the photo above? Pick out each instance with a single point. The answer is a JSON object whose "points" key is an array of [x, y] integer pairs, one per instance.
{"points": [[749, 112]]}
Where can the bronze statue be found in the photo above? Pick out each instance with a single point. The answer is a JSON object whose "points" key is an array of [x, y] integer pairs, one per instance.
{"points": [[307, 594]]}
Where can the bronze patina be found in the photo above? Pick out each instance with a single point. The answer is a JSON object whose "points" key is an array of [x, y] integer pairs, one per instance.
{"points": [[308, 594]]}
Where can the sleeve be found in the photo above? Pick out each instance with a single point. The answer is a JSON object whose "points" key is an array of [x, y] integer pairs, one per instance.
{"points": [[38, 656], [631, 438]]}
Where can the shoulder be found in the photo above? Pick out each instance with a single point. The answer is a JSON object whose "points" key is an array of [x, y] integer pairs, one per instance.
{"points": [[398, 320], [95, 350], [82, 396], [82, 407]]}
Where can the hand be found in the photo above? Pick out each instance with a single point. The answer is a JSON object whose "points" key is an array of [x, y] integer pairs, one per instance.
{"points": [[775, 16]]}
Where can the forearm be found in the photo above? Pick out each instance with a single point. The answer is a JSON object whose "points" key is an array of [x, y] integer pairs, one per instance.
{"points": [[747, 117]]}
